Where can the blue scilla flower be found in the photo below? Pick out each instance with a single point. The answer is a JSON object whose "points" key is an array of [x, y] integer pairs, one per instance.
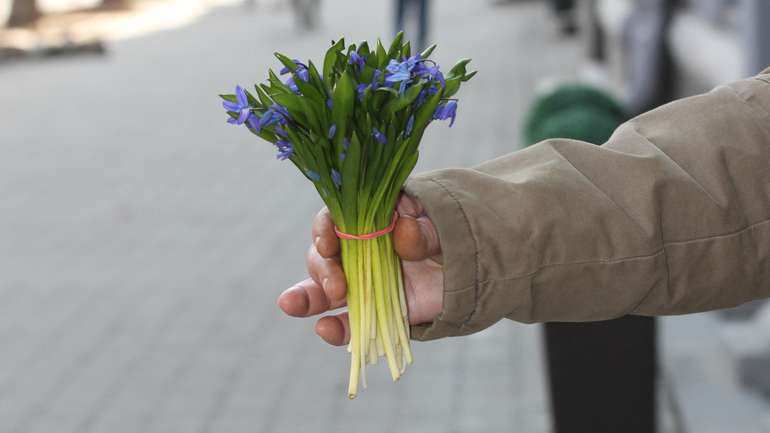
{"points": [[376, 79], [398, 71], [379, 136], [292, 85], [360, 89], [356, 59], [241, 106], [281, 132], [424, 94], [282, 111], [431, 72], [336, 178], [446, 110], [332, 131], [302, 71], [285, 149]]}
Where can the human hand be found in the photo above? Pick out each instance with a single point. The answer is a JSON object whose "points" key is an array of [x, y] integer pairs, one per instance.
{"points": [[415, 240]]}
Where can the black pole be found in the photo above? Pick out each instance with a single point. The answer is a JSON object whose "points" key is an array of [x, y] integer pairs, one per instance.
{"points": [[602, 375]]}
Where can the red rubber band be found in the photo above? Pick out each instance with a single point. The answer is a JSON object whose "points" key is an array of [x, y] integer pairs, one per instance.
{"points": [[367, 236]]}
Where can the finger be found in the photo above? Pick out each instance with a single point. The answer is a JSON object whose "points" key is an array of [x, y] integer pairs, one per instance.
{"points": [[324, 239], [327, 273], [415, 237], [334, 330], [306, 298]]}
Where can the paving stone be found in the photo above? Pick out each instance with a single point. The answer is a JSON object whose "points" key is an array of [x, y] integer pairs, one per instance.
{"points": [[144, 240]]}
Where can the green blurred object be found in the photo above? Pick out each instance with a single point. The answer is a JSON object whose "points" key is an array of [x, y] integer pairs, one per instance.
{"points": [[573, 111]]}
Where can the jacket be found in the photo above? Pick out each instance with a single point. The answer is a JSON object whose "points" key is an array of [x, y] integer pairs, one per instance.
{"points": [[670, 216]]}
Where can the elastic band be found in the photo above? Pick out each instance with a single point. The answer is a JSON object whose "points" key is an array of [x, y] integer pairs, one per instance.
{"points": [[367, 236]]}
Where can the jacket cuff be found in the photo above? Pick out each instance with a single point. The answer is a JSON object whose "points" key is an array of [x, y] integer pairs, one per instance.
{"points": [[434, 191]]}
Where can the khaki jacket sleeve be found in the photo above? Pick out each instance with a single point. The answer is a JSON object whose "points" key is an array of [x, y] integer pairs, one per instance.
{"points": [[670, 216]]}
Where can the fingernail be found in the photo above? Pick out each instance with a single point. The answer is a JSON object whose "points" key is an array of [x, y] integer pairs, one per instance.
{"points": [[325, 283], [315, 241]]}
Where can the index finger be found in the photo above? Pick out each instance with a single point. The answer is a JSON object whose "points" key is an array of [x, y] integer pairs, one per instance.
{"points": [[324, 238]]}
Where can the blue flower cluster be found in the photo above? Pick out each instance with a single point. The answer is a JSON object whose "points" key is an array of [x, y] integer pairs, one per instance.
{"points": [[363, 105]]}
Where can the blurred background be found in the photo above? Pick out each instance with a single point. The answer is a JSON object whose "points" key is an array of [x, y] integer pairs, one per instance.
{"points": [[143, 240]]}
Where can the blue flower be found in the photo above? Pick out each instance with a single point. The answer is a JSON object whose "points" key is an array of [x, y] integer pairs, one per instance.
{"points": [[379, 136], [332, 131], [345, 143], [280, 109], [360, 89], [356, 59], [409, 124], [241, 107], [399, 71], [315, 177], [376, 79], [343, 155], [285, 70], [430, 72], [280, 131], [285, 149], [301, 70], [292, 85], [329, 103], [336, 178], [447, 110], [424, 94], [253, 122]]}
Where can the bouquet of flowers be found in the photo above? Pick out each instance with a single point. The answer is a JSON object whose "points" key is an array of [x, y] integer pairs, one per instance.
{"points": [[353, 129]]}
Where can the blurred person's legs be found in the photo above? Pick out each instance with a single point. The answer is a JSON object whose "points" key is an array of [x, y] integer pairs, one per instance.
{"points": [[306, 13], [648, 62], [565, 13], [405, 11], [422, 33]]}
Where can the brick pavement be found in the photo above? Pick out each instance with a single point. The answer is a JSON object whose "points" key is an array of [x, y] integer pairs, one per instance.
{"points": [[143, 241]]}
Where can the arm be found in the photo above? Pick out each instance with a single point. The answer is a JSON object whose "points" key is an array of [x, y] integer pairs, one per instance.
{"points": [[670, 216]]}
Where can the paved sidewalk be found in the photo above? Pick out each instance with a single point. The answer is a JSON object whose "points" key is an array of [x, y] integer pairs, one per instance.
{"points": [[143, 240]]}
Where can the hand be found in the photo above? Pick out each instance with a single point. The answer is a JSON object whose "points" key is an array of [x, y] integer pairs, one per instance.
{"points": [[415, 240]]}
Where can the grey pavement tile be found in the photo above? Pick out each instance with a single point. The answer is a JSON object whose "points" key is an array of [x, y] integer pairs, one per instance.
{"points": [[144, 240]]}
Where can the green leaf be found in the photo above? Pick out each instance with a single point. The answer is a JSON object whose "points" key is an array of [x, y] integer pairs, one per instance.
{"points": [[452, 86], [468, 76], [343, 101], [266, 101], [252, 100], [330, 61], [310, 91], [458, 70], [403, 101], [395, 46], [315, 78], [229, 98], [428, 51], [289, 63], [351, 172], [363, 49], [406, 50], [276, 83], [382, 56], [423, 117]]}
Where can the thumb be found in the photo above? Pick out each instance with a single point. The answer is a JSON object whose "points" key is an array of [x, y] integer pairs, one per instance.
{"points": [[415, 237]]}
